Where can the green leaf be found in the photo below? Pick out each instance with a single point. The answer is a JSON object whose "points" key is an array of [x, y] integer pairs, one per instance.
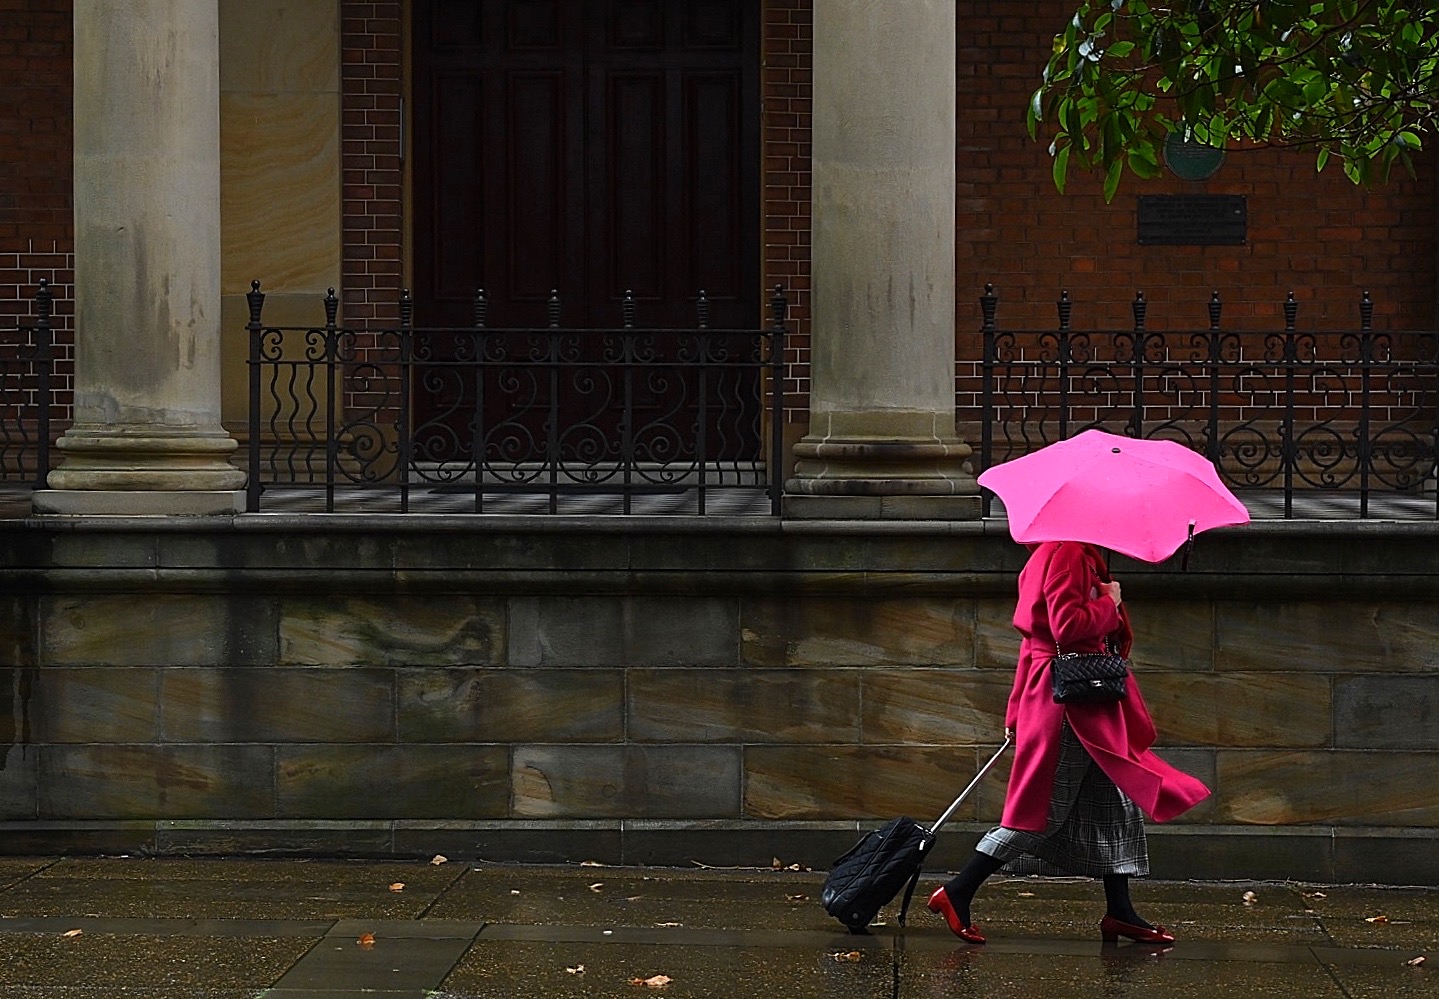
{"points": [[1111, 180], [1061, 167]]}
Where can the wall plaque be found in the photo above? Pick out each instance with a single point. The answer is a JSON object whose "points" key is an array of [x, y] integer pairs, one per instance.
{"points": [[1191, 160], [1193, 219]]}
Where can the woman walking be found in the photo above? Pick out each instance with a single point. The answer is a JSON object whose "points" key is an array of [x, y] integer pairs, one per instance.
{"points": [[1082, 773]]}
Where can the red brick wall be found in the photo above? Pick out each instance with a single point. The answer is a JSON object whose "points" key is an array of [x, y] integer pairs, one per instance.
{"points": [[787, 93], [36, 228], [372, 60], [1314, 234]]}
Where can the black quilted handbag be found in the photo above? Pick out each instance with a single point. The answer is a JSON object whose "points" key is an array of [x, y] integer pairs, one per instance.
{"points": [[1089, 677]]}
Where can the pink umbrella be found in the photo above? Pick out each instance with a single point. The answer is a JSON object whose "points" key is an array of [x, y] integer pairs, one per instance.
{"points": [[1142, 498]]}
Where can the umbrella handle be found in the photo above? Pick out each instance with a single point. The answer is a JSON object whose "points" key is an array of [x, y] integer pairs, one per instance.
{"points": [[1188, 547]]}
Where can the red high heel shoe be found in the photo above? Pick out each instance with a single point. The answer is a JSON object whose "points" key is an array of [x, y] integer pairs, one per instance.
{"points": [[939, 902], [1112, 929]]}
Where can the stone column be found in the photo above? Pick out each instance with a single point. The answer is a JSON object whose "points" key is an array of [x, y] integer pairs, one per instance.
{"points": [[881, 440], [146, 437]]}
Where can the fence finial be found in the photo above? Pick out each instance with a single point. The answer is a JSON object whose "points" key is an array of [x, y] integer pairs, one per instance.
{"points": [[1216, 310], [553, 308], [988, 304], [1141, 309], [332, 308], [778, 306], [1291, 312], [407, 308], [702, 310], [1366, 313], [256, 300], [42, 302], [1065, 308], [627, 308], [482, 308]]}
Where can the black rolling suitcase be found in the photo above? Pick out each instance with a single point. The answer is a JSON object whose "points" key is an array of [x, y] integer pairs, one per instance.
{"points": [[863, 881]]}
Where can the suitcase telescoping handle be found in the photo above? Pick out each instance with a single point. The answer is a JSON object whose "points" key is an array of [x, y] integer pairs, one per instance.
{"points": [[972, 785], [929, 836]]}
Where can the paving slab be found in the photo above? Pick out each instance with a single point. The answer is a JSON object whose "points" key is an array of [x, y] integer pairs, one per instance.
{"points": [[145, 961], [228, 889], [286, 929]]}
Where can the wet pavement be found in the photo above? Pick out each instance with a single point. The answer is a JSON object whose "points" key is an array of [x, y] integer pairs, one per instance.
{"points": [[128, 928]]}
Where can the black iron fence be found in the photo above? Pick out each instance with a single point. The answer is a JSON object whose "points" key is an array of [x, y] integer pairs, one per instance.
{"points": [[1351, 412], [27, 364], [487, 413]]}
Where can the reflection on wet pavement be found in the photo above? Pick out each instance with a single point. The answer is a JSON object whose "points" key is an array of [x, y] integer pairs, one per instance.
{"points": [[250, 929]]}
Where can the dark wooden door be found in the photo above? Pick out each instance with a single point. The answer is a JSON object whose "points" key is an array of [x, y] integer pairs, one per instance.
{"points": [[587, 147]]}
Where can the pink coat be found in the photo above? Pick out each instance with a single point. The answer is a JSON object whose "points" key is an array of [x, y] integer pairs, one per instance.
{"points": [[1059, 600]]}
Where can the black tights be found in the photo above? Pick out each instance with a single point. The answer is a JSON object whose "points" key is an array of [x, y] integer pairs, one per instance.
{"points": [[962, 887]]}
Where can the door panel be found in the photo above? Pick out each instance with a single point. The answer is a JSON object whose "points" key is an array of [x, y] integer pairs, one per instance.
{"points": [[590, 147]]}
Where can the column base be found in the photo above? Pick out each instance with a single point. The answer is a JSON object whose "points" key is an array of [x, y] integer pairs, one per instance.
{"points": [[142, 471], [138, 502], [857, 478], [802, 507]]}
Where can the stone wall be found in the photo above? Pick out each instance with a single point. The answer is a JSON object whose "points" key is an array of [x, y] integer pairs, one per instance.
{"points": [[662, 691]]}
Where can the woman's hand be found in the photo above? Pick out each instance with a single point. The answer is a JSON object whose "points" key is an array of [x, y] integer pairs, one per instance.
{"points": [[1111, 590]]}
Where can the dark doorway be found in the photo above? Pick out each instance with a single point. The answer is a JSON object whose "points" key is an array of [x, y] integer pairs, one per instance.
{"points": [[587, 147]]}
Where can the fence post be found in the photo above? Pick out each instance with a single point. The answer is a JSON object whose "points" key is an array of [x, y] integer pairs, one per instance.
{"points": [[1065, 308], [988, 304], [778, 305], [256, 301], [1366, 360], [1215, 339], [1140, 308], [1291, 358], [44, 362], [402, 430], [627, 407], [552, 431], [332, 360]]}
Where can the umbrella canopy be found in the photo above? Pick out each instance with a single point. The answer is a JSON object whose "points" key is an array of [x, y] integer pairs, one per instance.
{"points": [[1137, 497]]}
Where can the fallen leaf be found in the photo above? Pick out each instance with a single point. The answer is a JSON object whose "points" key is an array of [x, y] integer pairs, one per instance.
{"points": [[852, 955], [514, 891], [397, 886], [796, 867], [578, 969], [654, 982], [777, 864], [1026, 894], [597, 886], [1381, 919], [1414, 962], [1250, 898], [669, 924], [438, 859], [366, 941], [1315, 894], [797, 898], [591, 863], [634, 898], [72, 933]]}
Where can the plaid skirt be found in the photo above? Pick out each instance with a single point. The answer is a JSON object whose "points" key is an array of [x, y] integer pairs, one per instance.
{"points": [[1093, 828]]}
